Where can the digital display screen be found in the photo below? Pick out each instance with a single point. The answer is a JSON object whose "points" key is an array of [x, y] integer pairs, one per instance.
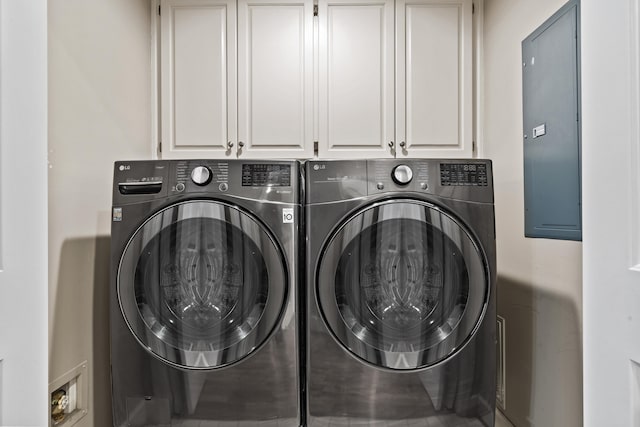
{"points": [[468, 174], [266, 175]]}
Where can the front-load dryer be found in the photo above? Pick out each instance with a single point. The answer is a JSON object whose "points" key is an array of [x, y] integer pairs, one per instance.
{"points": [[204, 323], [400, 293]]}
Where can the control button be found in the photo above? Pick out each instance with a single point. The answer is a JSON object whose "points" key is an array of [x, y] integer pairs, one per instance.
{"points": [[201, 175], [380, 186], [424, 185], [180, 187], [402, 174], [223, 186]]}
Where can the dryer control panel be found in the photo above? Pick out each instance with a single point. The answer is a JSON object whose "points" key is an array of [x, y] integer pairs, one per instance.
{"points": [[336, 180], [385, 175], [472, 174]]}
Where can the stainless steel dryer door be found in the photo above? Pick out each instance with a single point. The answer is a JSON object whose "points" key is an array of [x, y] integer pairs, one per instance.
{"points": [[402, 285], [201, 284]]}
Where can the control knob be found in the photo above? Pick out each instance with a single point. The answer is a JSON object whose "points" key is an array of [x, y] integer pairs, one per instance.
{"points": [[402, 174], [201, 175]]}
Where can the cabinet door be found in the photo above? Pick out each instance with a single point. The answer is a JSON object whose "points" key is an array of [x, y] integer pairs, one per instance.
{"points": [[434, 78], [198, 83], [356, 117], [275, 78]]}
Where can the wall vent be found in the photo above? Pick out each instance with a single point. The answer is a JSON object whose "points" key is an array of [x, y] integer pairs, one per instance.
{"points": [[1, 390], [500, 364], [635, 394]]}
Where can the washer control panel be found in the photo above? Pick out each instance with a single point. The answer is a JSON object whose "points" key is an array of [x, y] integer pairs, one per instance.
{"points": [[266, 175], [275, 180], [268, 180], [198, 175]]}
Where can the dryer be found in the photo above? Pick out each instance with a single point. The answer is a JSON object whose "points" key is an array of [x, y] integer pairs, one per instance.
{"points": [[204, 316], [401, 294]]}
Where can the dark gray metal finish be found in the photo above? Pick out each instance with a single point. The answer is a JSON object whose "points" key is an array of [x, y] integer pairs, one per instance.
{"points": [[417, 312], [174, 362], [186, 311], [333, 181], [226, 181], [388, 271], [551, 108]]}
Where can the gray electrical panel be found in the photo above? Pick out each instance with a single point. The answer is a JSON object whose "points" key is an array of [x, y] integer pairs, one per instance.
{"points": [[551, 107]]}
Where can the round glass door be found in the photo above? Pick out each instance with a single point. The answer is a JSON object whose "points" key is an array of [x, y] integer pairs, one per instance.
{"points": [[402, 285], [201, 284]]}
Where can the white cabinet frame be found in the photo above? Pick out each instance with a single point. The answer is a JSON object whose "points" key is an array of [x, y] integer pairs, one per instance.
{"points": [[376, 102], [198, 78], [275, 78], [434, 78], [356, 78]]}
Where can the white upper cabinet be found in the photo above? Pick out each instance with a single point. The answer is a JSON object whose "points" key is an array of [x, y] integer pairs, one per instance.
{"points": [[198, 78], [426, 65], [355, 78], [275, 78], [261, 109], [376, 78], [434, 78]]}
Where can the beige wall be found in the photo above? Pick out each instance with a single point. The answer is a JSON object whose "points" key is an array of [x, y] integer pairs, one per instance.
{"points": [[99, 112], [539, 280]]}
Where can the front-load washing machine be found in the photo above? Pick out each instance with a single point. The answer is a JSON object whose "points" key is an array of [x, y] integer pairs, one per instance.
{"points": [[204, 323], [400, 293]]}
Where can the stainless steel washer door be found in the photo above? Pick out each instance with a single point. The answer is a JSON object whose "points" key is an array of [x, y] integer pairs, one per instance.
{"points": [[402, 285], [201, 284]]}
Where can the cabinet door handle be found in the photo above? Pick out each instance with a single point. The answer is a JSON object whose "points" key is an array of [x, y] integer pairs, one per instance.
{"points": [[402, 144], [229, 145], [240, 144], [391, 144]]}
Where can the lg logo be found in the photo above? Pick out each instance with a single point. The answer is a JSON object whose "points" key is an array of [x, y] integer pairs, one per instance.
{"points": [[125, 167], [318, 167]]}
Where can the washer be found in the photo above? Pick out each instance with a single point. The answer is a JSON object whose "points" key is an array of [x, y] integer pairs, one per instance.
{"points": [[204, 318], [400, 293]]}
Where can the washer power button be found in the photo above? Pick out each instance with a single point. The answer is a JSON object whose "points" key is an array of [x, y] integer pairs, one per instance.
{"points": [[201, 175], [402, 174]]}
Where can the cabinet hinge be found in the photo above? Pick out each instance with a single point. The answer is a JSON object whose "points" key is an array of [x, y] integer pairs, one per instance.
{"points": [[315, 148], [473, 8], [159, 146], [473, 146], [315, 10], [159, 10]]}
